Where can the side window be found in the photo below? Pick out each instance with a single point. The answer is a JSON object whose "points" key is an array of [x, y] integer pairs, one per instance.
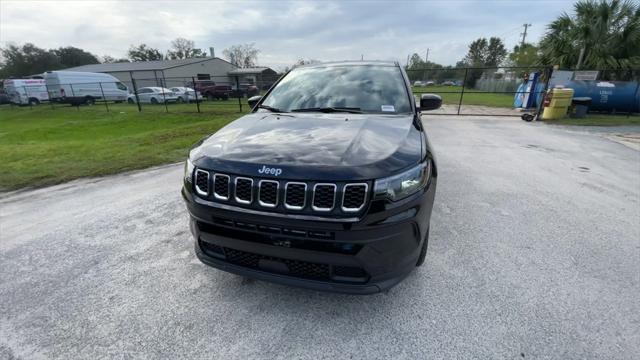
{"points": [[144, 91], [121, 86]]}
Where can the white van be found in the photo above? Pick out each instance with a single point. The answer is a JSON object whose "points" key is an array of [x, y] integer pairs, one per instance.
{"points": [[26, 91], [77, 87]]}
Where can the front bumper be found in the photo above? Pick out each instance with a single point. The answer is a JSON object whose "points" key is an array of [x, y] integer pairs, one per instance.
{"points": [[363, 256]]}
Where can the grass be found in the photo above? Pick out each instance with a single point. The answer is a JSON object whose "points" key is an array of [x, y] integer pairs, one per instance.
{"points": [[451, 96], [599, 120], [44, 146]]}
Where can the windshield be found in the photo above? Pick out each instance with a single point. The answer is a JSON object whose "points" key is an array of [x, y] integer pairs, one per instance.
{"points": [[368, 88]]}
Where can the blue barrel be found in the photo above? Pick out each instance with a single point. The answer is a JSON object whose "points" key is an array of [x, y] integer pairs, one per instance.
{"points": [[608, 96]]}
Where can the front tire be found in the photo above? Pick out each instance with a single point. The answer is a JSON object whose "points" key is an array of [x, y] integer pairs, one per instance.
{"points": [[179, 100], [423, 251], [154, 101], [33, 102], [130, 101]]}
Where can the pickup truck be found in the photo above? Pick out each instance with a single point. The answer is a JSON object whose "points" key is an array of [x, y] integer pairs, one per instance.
{"points": [[211, 91]]}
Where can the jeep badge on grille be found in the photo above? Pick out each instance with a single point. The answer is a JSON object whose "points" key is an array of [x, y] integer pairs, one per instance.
{"points": [[270, 171]]}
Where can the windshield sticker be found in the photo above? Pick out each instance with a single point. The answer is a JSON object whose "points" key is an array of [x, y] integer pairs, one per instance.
{"points": [[388, 108]]}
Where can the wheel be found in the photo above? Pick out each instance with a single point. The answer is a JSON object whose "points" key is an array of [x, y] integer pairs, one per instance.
{"points": [[527, 117], [179, 100], [89, 100], [33, 102], [130, 101], [423, 251], [154, 100]]}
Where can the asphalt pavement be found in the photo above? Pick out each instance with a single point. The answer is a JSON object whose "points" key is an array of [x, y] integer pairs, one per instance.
{"points": [[534, 253]]}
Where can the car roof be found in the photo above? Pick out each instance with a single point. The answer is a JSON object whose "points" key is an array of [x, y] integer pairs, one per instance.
{"points": [[351, 63]]}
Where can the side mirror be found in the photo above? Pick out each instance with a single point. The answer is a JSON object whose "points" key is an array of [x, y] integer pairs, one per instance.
{"points": [[430, 102], [254, 100]]}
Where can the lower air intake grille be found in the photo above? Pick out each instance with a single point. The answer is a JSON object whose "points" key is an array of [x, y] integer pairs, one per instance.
{"points": [[324, 197], [295, 267]]}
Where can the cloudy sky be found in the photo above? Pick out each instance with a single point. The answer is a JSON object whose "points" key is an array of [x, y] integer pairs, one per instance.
{"points": [[283, 31]]}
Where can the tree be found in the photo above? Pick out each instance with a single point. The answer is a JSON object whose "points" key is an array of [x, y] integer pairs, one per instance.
{"points": [[182, 48], [603, 34], [143, 53], [107, 59], [243, 55], [524, 55], [72, 56], [25, 60], [483, 53]]}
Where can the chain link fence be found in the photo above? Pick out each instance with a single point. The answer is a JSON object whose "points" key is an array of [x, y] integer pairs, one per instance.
{"points": [[497, 91]]}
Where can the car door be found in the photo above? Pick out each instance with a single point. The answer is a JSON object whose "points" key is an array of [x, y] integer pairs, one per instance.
{"points": [[144, 95]]}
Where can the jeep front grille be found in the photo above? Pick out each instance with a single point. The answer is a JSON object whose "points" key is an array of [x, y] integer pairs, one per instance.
{"points": [[221, 186], [268, 193], [202, 182], [304, 197]]}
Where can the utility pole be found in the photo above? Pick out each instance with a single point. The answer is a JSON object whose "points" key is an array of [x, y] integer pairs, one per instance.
{"points": [[426, 58], [524, 34]]}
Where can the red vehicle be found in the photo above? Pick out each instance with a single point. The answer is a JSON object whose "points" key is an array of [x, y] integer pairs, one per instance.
{"points": [[211, 91]]}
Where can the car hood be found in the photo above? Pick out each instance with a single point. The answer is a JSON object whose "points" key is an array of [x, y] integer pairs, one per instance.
{"points": [[335, 146]]}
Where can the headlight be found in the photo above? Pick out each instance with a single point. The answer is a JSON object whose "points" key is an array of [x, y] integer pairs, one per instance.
{"points": [[400, 186], [188, 170]]}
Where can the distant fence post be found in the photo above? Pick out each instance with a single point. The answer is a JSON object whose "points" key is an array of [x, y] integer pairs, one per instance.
{"points": [[464, 82], [195, 92], [26, 93], [637, 78], [135, 92], [103, 98], [239, 93], [547, 72], [73, 95], [49, 96]]}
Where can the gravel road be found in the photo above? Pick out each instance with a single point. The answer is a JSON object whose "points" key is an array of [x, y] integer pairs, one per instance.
{"points": [[534, 253]]}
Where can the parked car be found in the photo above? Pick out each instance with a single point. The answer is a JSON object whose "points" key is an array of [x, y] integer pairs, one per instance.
{"points": [[449, 83], [418, 83], [325, 184], [429, 83], [211, 91], [153, 95], [4, 99], [245, 90], [186, 94], [26, 91], [77, 87]]}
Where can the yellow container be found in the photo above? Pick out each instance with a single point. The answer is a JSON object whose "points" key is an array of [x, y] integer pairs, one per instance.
{"points": [[560, 100]]}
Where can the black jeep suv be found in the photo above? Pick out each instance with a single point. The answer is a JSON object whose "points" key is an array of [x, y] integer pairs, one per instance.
{"points": [[327, 184]]}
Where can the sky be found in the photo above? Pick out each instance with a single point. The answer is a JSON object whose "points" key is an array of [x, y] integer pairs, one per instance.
{"points": [[282, 31]]}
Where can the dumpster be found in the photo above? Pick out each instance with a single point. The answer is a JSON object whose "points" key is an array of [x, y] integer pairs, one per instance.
{"points": [[556, 103], [579, 107]]}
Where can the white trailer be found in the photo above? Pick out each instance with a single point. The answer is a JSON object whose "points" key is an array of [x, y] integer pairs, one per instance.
{"points": [[26, 91], [77, 87]]}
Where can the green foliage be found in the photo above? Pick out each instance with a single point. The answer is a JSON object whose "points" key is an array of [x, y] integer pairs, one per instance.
{"points": [[600, 34], [28, 59], [524, 55], [144, 53], [483, 53]]}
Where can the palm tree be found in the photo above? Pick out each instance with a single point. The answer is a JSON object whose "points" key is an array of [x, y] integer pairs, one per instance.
{"points": [[603, 34]]}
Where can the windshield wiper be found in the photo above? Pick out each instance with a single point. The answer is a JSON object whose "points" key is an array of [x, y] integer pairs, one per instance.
{"points": [[270, 108], [353, 110]]}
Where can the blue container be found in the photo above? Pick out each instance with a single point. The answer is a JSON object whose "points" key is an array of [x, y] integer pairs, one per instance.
{"points": [[608, 96]]}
